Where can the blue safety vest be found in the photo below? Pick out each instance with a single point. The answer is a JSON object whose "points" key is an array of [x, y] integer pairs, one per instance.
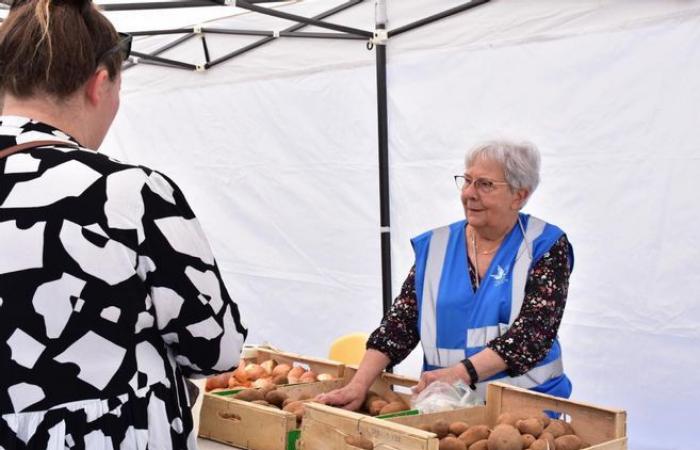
{"points": [[455, 322]]}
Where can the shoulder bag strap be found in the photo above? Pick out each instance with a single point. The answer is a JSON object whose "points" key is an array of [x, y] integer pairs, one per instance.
{"points": [[28, 145]]}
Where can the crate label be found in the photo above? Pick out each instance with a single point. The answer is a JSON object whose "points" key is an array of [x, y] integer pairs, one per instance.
{"points": [[304, 366]]}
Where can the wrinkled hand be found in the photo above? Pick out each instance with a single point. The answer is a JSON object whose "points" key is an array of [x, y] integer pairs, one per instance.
{"points": [[448, 375], [349, 397]]}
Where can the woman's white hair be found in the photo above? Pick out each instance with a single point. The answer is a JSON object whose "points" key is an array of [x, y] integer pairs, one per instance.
{"points": [[520, 161]]}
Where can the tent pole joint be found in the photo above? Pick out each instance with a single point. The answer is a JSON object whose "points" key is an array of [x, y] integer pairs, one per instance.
{"points": [[380, 36]]}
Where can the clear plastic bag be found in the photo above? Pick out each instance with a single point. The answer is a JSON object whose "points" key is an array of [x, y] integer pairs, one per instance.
{"points": [[442, 396]]}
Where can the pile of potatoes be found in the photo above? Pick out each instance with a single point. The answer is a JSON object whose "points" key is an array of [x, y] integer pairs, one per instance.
{"points": [[389, 402], [270, 396], [265, 374], [512, 432]]}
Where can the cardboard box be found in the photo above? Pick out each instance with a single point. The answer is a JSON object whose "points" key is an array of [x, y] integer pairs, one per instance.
{"points": [[325, 428]]}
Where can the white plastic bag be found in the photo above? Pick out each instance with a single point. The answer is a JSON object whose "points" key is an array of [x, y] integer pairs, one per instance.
{"points": [[442, 396]]}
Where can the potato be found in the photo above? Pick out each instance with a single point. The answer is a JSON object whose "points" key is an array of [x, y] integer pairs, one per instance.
{"points": [[540, 444], [356, 440], [240, 374], [392, 408], [249, 395], [547, 436], [294, 404], [544, 418], [567, 426], [426, 427], [391, 396], [371, 397], [528, 439], [480, 445], [556, 428], [295, 374], [325, 377], [265, 384], [509, 418], [261, 402], [296, 408], [505, 437], [280, 379], [276, 398], [450, 443], [268, 365], [441, 428], [531, 426], [376, 406], [281, 369], [254, 371], [307, 377], [458, 427], [474, 433], [568, 442], [217, 381]]}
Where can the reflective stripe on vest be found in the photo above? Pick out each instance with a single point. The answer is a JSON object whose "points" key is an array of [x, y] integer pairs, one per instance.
{"points": [[428, 324]]}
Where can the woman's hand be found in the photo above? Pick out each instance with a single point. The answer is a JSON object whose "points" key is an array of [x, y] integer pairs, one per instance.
{"points": [[349, 397], [448, 375]]}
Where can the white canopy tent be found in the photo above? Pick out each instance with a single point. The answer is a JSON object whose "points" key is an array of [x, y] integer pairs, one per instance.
{"points": [[276, 151]]}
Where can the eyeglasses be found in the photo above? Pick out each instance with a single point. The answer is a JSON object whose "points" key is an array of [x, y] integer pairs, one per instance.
{"points": [[482, 185], [123, 47]]}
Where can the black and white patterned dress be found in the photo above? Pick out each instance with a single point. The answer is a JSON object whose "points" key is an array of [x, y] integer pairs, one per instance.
{"points": [[109, 297]]}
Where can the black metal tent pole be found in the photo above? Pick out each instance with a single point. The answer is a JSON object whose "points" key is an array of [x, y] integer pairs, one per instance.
{"points": [[436, 17], [305, 22], [380, 41], [301, 19], [137, 6]]}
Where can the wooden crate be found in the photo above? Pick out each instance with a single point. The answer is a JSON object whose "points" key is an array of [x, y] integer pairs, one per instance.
{"points": [[255, 427], [325, 428], [603, 428]]}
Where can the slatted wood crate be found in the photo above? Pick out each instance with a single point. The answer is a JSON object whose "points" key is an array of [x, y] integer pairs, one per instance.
{"points": [[325, 428], [255, 427]]}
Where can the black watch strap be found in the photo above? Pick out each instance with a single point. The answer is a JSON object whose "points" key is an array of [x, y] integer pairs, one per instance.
{"points": [[471, 371]]}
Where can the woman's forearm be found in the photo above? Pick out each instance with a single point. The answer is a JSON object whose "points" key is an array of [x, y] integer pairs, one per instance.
{"points": [[372, 364]]}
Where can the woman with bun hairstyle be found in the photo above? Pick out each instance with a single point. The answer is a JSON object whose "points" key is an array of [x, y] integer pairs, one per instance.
{"points": [[109, 293]]}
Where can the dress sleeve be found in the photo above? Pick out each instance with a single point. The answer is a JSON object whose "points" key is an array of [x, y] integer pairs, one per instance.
{"points": [[397, 335], [532, 334], [194, 313]]}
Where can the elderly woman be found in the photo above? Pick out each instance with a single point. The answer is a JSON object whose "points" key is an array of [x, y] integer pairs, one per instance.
{"points": [[486, 295], [109, 293]]}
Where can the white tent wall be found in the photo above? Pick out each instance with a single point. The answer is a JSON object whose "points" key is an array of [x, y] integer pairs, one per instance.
{"points": [[280, 163]]}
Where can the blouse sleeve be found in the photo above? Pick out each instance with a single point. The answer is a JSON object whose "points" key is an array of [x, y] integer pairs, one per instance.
{"points": [[194, 313], [397, 334], [532, 334]]}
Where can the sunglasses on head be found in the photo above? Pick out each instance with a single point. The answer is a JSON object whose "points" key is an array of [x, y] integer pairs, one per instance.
{"points": [[123, 47]]}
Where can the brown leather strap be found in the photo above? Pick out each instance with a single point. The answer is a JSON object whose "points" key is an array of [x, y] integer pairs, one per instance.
{"points": [[27, 145]]}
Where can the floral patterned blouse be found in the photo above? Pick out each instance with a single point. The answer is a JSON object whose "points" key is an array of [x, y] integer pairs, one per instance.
{"points": [[524, 344]]}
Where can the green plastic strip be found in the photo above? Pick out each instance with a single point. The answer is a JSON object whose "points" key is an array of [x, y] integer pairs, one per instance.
{"points": [[410, 412], [227, 392], [292, 438]]}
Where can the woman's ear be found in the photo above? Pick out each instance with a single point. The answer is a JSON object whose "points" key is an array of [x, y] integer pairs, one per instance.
{"points": [[519, 198], [96, 86]]}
